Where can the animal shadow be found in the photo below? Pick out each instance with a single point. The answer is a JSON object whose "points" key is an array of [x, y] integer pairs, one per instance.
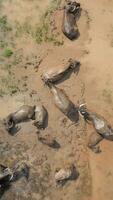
{"points": [[24, 172], [73, 115], [16, 176], [14, 130], [46, 121], [77, 16], [56, 145], [3, 189]]}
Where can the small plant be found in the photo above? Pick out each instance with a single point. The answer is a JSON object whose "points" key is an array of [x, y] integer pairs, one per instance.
{"points": [[7, 53], [3, 44], [4, 26], [2, 93], [13, 89]]}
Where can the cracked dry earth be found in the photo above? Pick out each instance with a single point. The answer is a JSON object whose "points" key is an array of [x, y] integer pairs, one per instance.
{"points": [[93, 85]]}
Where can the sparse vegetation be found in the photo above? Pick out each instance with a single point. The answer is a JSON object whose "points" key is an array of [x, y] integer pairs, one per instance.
{"points": [[107, 94], [7, 53], [7, 67], [3, 44], [10, 59], [40, 33], [24, 28], [15, 79], [8, 85], [43, 31], [13, 89], [4, 26], [17, 58], [2, 93]]}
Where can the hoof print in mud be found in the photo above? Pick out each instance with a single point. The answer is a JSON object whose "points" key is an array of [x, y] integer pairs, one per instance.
{"points": [[69, 26]]}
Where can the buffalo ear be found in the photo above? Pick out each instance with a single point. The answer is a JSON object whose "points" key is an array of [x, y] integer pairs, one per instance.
{"points": [[78, 4]]}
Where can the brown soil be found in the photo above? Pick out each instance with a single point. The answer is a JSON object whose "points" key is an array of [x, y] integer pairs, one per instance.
{"points": [[93, 85]]}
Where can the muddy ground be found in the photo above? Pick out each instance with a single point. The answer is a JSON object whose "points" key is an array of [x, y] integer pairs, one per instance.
{"points": [[27, 49]]}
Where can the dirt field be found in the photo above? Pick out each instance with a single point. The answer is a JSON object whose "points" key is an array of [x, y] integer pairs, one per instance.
{"points": [[31, 42]]}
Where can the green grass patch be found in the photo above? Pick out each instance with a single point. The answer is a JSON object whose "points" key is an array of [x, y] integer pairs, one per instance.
{"points": [[4, 25], [7, 53]]}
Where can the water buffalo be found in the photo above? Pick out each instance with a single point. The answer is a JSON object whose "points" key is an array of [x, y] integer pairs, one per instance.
{"points": [[67, 173], [63, 103], [54, 75], [69, 26], [102, 127], [25, 112]]}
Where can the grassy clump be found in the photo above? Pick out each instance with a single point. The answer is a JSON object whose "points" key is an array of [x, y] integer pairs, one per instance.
{"points": [[24, 28], [9, 59], [2, 93], [7, 53], [3, 44], [8, 85], [13, 89], [4, 26]]}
